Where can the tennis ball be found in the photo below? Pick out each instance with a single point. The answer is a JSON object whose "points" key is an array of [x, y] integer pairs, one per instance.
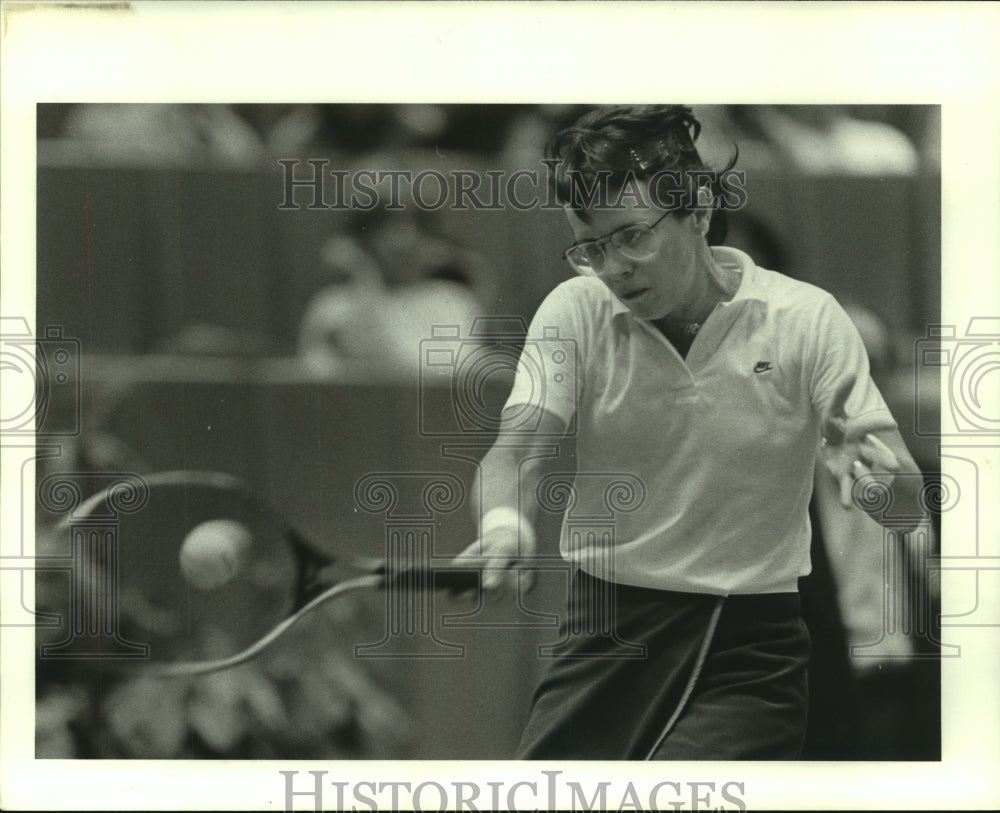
{"points": [[214, 552]]}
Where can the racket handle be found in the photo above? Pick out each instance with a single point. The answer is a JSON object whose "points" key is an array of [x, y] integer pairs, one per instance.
{"points": [[450, 579]]}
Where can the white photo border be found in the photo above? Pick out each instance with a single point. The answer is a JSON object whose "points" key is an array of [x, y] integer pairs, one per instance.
{"points": [[913, 53]]}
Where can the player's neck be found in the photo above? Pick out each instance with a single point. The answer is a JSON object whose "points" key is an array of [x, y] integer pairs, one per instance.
{"points": [[719, 284]]}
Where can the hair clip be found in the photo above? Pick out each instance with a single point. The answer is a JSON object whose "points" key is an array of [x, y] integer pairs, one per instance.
{"points": [[636, 160]]}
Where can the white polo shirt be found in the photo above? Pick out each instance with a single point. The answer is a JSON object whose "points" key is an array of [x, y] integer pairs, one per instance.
{"points": [[720, 446]]}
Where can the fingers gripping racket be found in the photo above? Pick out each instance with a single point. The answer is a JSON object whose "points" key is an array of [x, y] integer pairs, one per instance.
{"points": [[207, 565]]}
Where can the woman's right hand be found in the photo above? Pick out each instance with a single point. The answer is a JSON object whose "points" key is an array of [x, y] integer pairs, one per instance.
{"points": [[499, 553]]}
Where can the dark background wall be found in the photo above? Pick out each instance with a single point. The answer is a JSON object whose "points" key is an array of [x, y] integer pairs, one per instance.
{"points": [[128, 256]]}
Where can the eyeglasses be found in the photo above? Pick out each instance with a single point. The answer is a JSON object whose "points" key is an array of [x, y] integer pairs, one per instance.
{"points": [[637, 241]]}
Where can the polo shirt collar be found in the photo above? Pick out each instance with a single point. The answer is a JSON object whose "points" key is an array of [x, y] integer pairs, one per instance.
{"points": [[751, 287]]}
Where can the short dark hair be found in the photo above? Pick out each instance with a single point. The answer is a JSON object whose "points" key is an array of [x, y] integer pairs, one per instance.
{"points": [[613, 146]]}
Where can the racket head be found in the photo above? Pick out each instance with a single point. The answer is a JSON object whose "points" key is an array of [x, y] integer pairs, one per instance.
{"points": [[154, 603]]}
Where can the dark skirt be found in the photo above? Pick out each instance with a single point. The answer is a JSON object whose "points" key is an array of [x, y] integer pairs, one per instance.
{"points": [[655, 674]]}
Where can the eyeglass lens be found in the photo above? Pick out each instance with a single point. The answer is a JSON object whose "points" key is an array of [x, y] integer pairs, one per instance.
{"points": [[634, 242]]}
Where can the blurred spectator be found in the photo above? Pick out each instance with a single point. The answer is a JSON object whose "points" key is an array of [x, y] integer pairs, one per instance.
{"points": [[345, 322], [726, 125], [388, 282], [827, 139], [921, 123], [531, 127], [866, 139], [286, 129], [290, 130], [361, 322], [171, 133]]}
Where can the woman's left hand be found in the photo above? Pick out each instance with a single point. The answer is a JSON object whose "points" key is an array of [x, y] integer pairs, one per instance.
{"points": [[849, 448]]}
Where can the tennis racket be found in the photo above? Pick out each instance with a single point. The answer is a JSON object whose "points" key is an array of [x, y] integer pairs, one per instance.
{"points": [[169, 603]]}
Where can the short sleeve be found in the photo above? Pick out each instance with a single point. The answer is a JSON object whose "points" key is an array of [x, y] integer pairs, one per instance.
{"points": [[550, 369], [838, 355]]}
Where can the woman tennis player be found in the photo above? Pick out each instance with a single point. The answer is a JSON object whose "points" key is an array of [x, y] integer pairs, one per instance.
{"points": [[715, 384]]}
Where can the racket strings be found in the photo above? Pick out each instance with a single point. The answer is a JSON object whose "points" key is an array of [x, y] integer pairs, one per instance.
{"points": [[204, 667]]}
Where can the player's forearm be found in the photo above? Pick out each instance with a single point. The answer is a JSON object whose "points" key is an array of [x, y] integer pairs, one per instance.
{"points": [[508, 479], [510, 472]]}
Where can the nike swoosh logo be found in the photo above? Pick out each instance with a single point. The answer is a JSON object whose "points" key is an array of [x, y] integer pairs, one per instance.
{"points": [[763, 366]]}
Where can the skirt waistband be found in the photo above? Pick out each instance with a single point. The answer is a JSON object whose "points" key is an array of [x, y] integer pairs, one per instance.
{"points": [[765, 603]]}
